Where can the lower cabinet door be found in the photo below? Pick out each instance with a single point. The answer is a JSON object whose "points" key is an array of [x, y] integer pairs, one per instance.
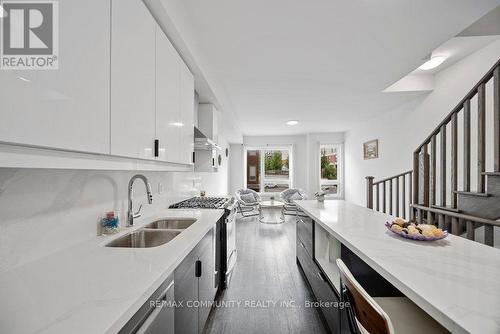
{"points": [[161, 320], [206, 282], [305, 259], [186, 291], [320, 287], [331, 311], [304, 233]]}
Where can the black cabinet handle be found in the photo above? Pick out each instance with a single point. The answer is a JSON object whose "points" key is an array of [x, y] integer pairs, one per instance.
{"points": [[197, 268], [213, 162], [194, 157], [157, 147]]}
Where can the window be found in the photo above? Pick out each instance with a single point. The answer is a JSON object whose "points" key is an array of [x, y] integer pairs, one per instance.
{"points": [[330, 169], [268, 169]]}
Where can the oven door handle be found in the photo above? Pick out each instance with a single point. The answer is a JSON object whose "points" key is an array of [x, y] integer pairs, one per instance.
{"points": [[231, 261], [230, 218]]}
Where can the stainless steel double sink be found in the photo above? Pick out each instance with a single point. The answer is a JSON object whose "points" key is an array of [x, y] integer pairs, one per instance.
{"points": [[154, 234]]}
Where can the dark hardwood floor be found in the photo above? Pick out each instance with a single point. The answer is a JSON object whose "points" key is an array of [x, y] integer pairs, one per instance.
{"points": [[266, 271]]}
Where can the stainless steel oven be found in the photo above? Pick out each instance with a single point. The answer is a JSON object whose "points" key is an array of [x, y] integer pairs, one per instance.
{"points": [[226, 252], [230, 241]]}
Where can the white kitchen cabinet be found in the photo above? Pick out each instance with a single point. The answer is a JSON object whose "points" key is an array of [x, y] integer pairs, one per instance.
{"points": [[174, 103], [186, 114], [133, 38], [168, 122], [120, 86], [66, 108]]}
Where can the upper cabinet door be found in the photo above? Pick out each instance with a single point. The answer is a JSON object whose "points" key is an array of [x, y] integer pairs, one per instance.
{"points": [[187, 114], [132, 79], [66, 108], [168, 122]]}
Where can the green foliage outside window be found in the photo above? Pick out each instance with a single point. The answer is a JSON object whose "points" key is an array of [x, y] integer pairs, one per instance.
{"points": [[273, 162], [328, 170]]}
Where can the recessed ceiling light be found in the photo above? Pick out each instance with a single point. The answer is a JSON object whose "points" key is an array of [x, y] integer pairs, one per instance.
{"points": [[179, 124], [292, 122], [432, 63]]}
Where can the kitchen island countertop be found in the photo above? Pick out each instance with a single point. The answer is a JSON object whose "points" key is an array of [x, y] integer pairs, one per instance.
{"points": [[455, 280]]}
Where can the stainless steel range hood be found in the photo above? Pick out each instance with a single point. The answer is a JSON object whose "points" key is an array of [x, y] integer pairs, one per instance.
{"points": [[202, 142]]}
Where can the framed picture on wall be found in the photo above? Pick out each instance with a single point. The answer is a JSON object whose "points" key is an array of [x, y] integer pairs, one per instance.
{"points": [[370, 149]]}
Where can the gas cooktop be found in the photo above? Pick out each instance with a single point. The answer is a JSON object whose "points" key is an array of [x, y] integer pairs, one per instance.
{"points": [[203, 203]]}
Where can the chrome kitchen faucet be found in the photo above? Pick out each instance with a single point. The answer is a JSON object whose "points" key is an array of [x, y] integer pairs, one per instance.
{"points": [[131, 215]]}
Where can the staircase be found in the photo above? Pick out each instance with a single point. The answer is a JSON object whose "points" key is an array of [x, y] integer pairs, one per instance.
{"points": [[446, 187]]}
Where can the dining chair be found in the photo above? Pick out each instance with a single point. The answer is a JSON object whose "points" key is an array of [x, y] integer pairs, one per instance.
{"points": [[382, 315]]}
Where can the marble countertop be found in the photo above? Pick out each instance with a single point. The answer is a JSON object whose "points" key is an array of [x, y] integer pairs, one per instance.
{"points": [[90, 288], [455, 280]]}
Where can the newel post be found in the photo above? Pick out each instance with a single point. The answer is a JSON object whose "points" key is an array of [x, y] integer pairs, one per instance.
{"points": [[369, 192]]}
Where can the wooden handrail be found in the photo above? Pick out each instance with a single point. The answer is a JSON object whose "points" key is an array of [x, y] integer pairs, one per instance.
{"points": [[392, 177], [392, 191], [457, 215]]}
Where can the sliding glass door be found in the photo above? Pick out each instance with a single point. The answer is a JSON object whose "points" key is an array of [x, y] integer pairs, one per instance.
{"points": [[268, 169], [276, 170]]}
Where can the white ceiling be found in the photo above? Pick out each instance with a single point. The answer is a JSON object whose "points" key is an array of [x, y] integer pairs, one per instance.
{"points": [[323, 62]]}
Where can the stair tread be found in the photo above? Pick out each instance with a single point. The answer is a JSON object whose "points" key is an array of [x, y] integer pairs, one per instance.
{"points": [[491, 173], [446, 208], [473, 193]]}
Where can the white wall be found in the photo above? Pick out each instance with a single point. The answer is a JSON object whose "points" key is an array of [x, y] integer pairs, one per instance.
{"points": [[236, 158], [401, 131], [305, 166]]}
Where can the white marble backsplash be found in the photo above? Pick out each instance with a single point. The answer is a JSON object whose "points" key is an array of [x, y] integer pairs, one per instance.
{"points": [[45, 211]]}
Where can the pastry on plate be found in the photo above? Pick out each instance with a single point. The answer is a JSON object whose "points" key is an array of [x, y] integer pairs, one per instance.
{"points": [[396, 228], [412, 230], [400, 221], [427, 227], [438, 233], [428, 233]]}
